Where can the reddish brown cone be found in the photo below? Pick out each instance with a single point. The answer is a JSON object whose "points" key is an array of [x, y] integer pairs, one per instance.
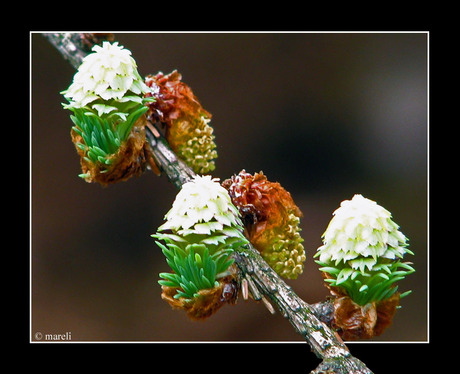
{"points": [[271, 221]]}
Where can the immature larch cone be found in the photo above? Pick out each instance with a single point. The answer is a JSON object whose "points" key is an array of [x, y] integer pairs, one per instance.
{"points": [[187, 123], [108, 105], [361, 264], [271, 220], [362, 251], [202, 230]]}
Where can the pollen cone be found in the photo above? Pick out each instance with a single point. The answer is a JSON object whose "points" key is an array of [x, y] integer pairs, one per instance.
{"points": [[271, 219], [187, 123]]}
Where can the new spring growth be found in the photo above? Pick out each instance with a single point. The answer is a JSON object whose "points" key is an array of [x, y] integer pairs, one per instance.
{"points": [[363, 251], [201, 231], [106, 98]]}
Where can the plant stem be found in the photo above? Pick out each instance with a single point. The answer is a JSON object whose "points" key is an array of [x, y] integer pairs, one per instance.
{"points": [[176, 170], [75, 46], [69, 45], [324, 342], [263, 281]]}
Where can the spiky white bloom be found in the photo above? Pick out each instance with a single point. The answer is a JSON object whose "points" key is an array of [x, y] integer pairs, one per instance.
{"points": [[107, 73], [206, 230], [203, 206], [360, 233]]}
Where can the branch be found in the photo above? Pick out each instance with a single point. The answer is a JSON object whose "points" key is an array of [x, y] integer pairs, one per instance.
{"points": [[75, 46], [265, 282], [176, 170], [256, 275]]}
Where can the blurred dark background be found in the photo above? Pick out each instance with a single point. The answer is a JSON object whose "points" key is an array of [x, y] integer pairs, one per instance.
{"points": [[327, 115]]}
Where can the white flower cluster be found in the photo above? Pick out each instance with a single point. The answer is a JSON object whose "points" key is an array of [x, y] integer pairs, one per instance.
{"points": [[360, 233], [206, 230], [203, 206], [108, 73]]}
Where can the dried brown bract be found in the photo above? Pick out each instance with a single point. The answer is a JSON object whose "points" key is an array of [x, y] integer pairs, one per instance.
{"points": [[353, 321], [173, 98], [207, 302]]}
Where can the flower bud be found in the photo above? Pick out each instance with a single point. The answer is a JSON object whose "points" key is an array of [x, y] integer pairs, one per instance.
{"points": [[201, 231], [106, 98], [272, 221], [108, 73], [187, 124], [362, 252]]}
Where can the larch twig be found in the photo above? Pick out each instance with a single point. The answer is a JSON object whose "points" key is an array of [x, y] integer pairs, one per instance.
{"points": [[257, 276]]}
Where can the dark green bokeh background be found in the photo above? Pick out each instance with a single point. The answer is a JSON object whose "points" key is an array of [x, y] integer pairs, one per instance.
{"points": [[327, 115]]}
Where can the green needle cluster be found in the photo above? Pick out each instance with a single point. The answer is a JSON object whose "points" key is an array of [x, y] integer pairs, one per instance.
{"points": [[364, 287], [194, 267], [105, 130]]}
